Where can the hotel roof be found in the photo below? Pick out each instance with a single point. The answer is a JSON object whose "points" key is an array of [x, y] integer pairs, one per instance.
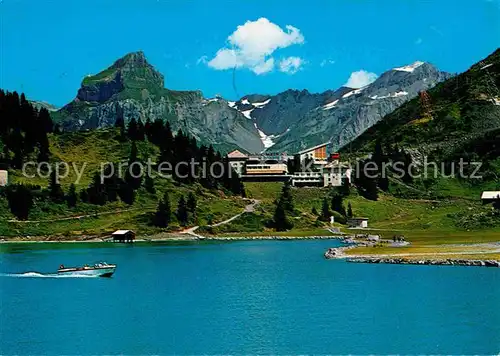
{"points": [[236, 154], [313, 148]]}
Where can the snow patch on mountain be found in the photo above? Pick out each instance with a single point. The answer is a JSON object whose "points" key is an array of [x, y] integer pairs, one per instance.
{"points": [[409, 68], [208, 101], [246, 113], [261, 104], [330, 105], [267, 140], [353, 92], [394, 95]]}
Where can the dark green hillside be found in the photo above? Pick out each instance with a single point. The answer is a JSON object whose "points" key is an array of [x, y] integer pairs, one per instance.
{"points": [[459, 114]]}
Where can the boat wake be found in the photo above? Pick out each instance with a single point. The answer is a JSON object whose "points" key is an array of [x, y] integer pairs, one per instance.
{"points": [[47, 275]]}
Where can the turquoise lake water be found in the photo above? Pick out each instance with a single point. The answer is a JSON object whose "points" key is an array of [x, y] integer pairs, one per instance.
{"points": [[248, 297]]}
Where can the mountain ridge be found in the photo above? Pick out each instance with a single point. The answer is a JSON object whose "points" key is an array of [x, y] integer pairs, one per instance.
{"points": [[461, 116], [131, 87], [342, 114], [288, 121]]}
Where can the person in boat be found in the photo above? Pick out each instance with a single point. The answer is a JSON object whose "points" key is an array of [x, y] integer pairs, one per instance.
{"points": [[61, 267]]}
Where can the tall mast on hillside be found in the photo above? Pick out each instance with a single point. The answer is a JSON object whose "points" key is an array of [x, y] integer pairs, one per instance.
{"points": [[425, 104], [491, 87]]}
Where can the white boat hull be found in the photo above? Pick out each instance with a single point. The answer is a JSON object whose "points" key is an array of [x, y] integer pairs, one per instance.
{"points": [[96, 272]]}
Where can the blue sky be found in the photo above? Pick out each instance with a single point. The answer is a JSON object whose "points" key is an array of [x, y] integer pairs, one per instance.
{"points": [[47, 47]]}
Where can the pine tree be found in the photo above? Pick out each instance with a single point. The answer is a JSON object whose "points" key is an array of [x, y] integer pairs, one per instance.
{"points": [[345, 188], [408, 176], [496, 203], [383, 181], [57, 129], [149, 184], [111, 184], [141, 131], [133, 176], [45, 121], [371, 191], [55, 191], [20, 200], [96, 191], [349, 210], [147, 129], [43, 148], [338, 204], [156, 132], [325, 210], [133, 130], [84, 196], [286, 196], [72, 197], [378, 155], [165, 140], [119, 122], [281, 221], [182, 212], [191, 203], [235, 183], [126, 193], [163, 212], [366, 183]]}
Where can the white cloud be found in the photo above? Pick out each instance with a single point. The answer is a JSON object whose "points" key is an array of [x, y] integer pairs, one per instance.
{"points": [[252, 44], [360, 79], [325, 62], [264, 67], [291, 65]]}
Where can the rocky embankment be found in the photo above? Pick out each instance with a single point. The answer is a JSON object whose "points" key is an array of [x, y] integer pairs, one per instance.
{"points": [[433, 262], [271, 237], [339, 252]]}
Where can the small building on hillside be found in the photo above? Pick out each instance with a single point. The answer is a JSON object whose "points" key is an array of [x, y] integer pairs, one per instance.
{"points": [[359, 223], [4, 178], [490, 196], [123, 236]]}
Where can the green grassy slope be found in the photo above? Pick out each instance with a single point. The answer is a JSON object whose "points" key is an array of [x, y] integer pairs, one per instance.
{"points": [[432, 220], [89, 149]]}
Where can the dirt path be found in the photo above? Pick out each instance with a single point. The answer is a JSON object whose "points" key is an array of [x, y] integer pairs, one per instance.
{"points": [[250, 208]]}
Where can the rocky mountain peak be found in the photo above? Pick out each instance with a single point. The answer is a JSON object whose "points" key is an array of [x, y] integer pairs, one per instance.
{"points": [[135, 67], [409, 67], [132, 72], [132, 59]]}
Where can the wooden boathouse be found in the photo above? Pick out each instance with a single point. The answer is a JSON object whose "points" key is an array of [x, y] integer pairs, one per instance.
{"points": [[123, 236]]}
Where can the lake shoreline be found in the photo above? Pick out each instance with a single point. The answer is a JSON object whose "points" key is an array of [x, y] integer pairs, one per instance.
{"points": [[173, 238], [415, 259]]}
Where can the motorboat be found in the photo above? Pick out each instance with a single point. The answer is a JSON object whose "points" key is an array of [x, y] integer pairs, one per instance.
{"points": [[101, 269]]}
